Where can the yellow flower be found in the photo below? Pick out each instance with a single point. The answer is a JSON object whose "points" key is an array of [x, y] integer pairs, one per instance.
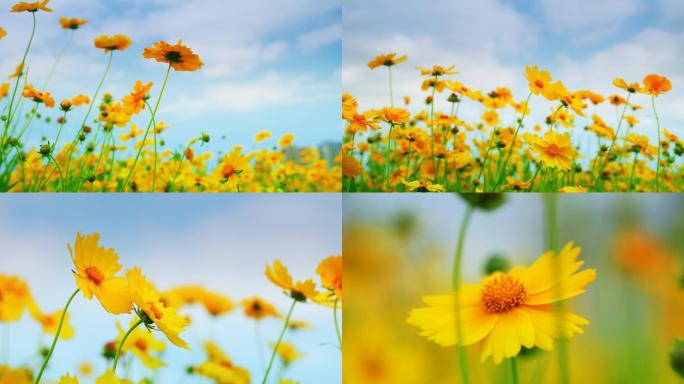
{"points": [[50, 322], [330, 272], [4, 90], [641, 145], [510, 310], [110, 378], [351, 167], [95, 272], [286, 140], [631, 87], [15, 375], [39, 97], [142, 343], [15, 298], [35, 6], [153, 311], [422, 186], [437, 70], [18, 71], [538, 80], [3, 33], [395, 116], [68, 379], [554, 150], [113, 43], [85, 369], [490, 118], [220, 368], [257, 308], [656, 84], [299, 290], [288, 353], [573, 189], [134, 102], [71, 23], [261, 136], [387, 60], [180, 57]]}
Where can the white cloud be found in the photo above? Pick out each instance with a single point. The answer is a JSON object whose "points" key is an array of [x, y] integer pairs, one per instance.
{"points": [[320, 37], [581, 16], [672, 10]]}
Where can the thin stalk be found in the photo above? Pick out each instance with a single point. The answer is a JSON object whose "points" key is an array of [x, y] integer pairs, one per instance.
{"points": [[456, 285], [388, 157], [277, 344], [659, 149], [61, 176], [147, 131], [337, 325], [514, 371], [16, 84], [617, 133], [121, 344], [631, 176], [510, 151], [154, 132], [54, 341], [59, 57]]}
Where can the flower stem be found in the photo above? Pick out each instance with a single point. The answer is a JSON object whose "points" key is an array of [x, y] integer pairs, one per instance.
{"points": [[154, 132], [59, 57], [121, 344], [514, 370], [510, 150], [10, 115], [123, 186], [617, 132], [54, 341], [337, 325], [462, 358], [61, 176], [631, 177], [388, 168], [659, 149], [389, 68], [277, 344]]}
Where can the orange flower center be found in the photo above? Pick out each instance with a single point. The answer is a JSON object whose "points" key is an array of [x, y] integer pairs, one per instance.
{"points": [[155, 311], [503, 293], [538, 83], [141, 345], [95, 275], [553, 150], [228, 171]]}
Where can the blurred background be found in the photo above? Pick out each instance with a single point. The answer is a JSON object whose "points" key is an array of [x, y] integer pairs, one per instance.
{"points": [[220, 242], [399, 248]]}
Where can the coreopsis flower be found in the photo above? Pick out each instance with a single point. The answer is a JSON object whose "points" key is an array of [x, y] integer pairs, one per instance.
{"points": [[396, 116], [71, 22], [233, 164], [110, 378], [258, 308], [142, 344], [35, 6], [388, 60], [216, 304], [656, 85], [220, 368], [554, 150], [437, 70], [117, 42], [490, 118], [573, 189], [510, 310], [640, 144], [298, 290], [79, 100], [288, 353], [261, 136], [39, 97], [351, 167], [95, 274], [15, 298], [537, 79], [68, 379], [50, 322], [3, 33], [423, 186], [18, 71], [152, 311], [4, 90], [616, 100], [517, 185], [180, 57], [286, 140], [15, 375], [330, 272], [134, 102], [629, 87]]}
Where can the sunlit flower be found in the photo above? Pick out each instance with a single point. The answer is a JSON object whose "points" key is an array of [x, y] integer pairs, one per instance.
{"points": [[71, 23], [258, 308], [134, 102], [180, 57], [38, 96], [113, 43], [95, 272], [423, 186], [68, 379], [299, 290], [507, 311], [261, 136], [220, 368], [15, 298], [437, 70], [554, 150], [35, 6], [330, 272], [656, 84], [387, 60], [288, 353], [631, 87], [142, 344], [286, 140]]}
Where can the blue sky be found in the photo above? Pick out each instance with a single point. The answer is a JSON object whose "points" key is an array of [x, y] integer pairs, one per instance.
{"points": [[268, 65], [585, 43], [221, 242]]}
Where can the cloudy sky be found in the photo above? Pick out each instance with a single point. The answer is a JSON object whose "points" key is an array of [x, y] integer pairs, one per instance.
{"points": [[268, 64], [222, 243], [585, 43]]}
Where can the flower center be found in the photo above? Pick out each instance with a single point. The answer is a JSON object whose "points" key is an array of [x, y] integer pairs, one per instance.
{"points": [[95, 275], [539, 83], [141, 345], [173, 57], [155, 311], [503, 293], [228, 171], [553, 150]]}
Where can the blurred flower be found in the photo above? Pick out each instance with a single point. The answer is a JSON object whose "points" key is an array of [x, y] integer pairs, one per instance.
{"points": [[35, 6], [220, 368], [142, 344], [71, 23], [299, 290], [180, 57], [387, 60], [258, 308], [113, 43]]}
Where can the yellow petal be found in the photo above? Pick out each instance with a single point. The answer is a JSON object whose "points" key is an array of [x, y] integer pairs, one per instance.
{"points": [[571, 287], [115, 296]]}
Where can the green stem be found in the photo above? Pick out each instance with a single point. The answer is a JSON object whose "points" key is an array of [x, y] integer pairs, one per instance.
{"points": [[90, 107], [59, 57], [659, 149], [337, 325], [154, 132], [54, 341], [456, 285], [277, 344], [388, 168], [484, 160], [121, 344], [123, 186], [510, 150], [617, 133], [514, 371], [16, 84], [631, 176], [61, 176], [389, 68]]}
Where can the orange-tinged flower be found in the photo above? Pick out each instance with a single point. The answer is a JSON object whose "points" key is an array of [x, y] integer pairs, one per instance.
{"points": [[134, 102], [641, 145], [79, 100], [35, 6], [39, 97], [330, 272], [261, 136], [423, 186], [95, 272], [180, 57], [631, 87], [298, 290], [220, 368], [15, 298], [351, 167], [142, 344], [554, 150], [395, 116], [656, 84], [113, 43], [71, 23], [18, 71], [3, 33], [258, 308], [152, 310], [437, 70], [286, 140], [50, 323], [387, 60], [507, 311], [537, 79], [4, 90]]}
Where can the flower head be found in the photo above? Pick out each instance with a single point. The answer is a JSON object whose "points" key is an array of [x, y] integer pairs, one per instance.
{"points": [[220, 368], [38, 96], [330, 272], [180, 57], [258, 308], [298, 290], [142, 344], [68, 379], [71, 23], [35, 6], [113, 43], [631, 87], [507, 311], [134, 102], [95, 272], [554, 150], [656, 84], [387, 60]]}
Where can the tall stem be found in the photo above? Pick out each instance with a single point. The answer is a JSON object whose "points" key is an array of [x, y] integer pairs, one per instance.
{"points": [[121, 344], [337, 324], [54, 341], [22, 69], [388, 168], [90, 107], [280, 339], [154, 132], [514, 370], [631, 177], [659, 149], [59, 57], [389, 68], [510, 150], [147, 131], [617, 132], [456, 285]]}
